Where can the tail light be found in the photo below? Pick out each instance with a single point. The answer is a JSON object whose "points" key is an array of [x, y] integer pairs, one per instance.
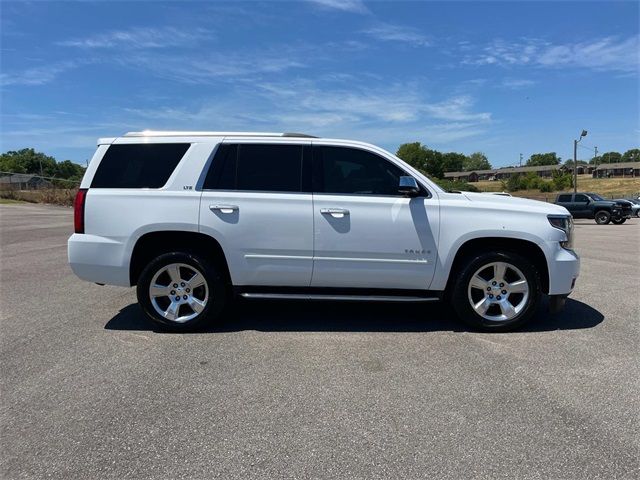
{"points": [[78, 210]]}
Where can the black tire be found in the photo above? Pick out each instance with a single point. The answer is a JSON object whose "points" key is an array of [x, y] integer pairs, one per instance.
{"points": [[215, 287], [461, 302], [618, 220], [602, 217]]}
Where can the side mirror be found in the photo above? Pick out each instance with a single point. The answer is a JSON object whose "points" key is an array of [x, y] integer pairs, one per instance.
{"points": [[408, 186]]}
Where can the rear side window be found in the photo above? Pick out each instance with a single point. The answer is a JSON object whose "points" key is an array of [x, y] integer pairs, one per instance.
{"points": [[564, 198], [138, 165], [256, 167]]}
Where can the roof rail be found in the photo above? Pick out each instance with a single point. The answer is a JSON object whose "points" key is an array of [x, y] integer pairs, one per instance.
{"points": [[301, 135], [158, 133], [172, 133]]}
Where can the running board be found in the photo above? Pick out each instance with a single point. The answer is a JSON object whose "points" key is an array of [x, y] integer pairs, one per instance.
{"points": [[346, 298]]}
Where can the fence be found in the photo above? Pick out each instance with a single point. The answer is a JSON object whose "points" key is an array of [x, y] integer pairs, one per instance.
{"points": [[39, 189]]}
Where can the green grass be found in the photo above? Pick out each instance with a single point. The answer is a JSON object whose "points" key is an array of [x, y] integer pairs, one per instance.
{"points": [[9, 201]]}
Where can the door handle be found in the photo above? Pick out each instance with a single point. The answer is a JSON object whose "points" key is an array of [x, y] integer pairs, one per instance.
{"points": [[224, 208], [335, 212]]}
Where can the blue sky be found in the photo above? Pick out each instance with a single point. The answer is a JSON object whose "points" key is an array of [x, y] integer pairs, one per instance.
{"points": [[503, 78]]}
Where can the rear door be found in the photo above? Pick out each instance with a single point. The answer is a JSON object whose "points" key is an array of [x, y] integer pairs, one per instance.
{"points": [[366, 234], [256, 204]]}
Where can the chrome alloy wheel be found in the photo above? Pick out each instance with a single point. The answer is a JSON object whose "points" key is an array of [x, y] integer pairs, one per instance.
{"points": [[498, 291], [178, 292]]}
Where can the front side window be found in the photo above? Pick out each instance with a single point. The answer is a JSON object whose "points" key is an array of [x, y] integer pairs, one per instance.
{"points": [[354, 171], [147, 165], [581, 198], [256, 167]]}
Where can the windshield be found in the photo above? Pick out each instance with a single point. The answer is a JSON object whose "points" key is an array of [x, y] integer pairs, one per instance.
{"points": [[595, 196]]}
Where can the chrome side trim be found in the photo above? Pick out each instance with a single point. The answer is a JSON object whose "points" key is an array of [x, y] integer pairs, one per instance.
{"points": [[378, 260], [347, 298], [278, 257]]}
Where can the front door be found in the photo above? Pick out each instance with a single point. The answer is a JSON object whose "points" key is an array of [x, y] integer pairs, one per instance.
{"points": [[366, 234]]}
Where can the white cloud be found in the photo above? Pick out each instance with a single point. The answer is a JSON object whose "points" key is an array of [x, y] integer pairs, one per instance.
{"points": [[397, 33], [37, 75], [608, 53], [457, 109], [384, 114], [206, 68], [354, 6], [140, 38], [517, 83]]}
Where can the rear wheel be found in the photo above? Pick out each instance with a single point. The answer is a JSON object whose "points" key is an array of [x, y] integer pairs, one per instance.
{"points": [[496, 291], [618, 220], [602, 217], [181, 291]]}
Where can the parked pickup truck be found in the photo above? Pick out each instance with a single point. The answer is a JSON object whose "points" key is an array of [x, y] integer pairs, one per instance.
{"points": [[592, 205]]}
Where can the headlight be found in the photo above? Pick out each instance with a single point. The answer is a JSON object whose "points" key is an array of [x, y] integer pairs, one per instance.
{"points": [[564, 223]]}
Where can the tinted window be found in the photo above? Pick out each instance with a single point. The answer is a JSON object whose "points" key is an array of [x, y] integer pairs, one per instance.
{"points": [[138, 165], [581, 198], [271, 168], [350, 170], [222, 173], [564, 198]]}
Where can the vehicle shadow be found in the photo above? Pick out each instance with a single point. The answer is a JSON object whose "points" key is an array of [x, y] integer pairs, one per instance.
{"points": [[309, 316]]}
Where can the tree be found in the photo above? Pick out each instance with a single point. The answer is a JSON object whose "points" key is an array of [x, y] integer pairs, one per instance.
{"points": [[632, 155], [569, 162], [434, 164], [28, 160], [476, 161], [608, 157], [539, 159], [453, 161], [422, 158], [415, 154], [70, 170]]}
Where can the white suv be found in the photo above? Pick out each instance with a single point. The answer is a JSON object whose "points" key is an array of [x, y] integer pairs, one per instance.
{"points": [[193, 218]]}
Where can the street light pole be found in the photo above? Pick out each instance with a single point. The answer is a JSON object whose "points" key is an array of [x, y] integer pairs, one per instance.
{"points": [[575, 161]]}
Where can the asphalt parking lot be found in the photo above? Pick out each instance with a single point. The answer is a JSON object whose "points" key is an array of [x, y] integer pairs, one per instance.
{"points": [[310, 390]]}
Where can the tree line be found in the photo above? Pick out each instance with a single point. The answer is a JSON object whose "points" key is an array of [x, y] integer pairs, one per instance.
{"points": [[29, 161], [436, 164]]}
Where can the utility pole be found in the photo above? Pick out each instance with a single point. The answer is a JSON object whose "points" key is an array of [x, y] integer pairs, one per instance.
{"points": [[520, 159], [575, 161], [595, 159]]}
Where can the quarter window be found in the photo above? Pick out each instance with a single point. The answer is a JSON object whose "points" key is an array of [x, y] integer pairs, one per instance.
{"points": [[355, 171], [138, 165]]}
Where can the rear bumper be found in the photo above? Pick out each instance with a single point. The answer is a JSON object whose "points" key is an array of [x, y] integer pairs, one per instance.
{"points": [[98, 259]]}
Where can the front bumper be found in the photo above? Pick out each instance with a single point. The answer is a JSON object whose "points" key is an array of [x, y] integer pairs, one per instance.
{"points": [[564, 269]]}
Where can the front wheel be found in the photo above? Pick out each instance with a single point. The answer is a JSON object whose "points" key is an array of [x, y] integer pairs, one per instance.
{"points": [[618, 220], [602, 217], [496, 291], [181, 291]]}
